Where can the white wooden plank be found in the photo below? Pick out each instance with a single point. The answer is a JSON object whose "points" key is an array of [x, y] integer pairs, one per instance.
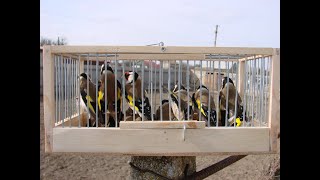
{"points": [[274, 105], [159, 50], [162, 124], [48, 97], [162, 141]]}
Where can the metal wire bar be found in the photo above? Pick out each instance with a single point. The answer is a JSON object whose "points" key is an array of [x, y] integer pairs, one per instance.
{"points": [[227, 98], [169, 81], [200, 90], [142, 88], [88, 71], [209, 77], [66, 87], [194, 76], [268, 85], [155, 85], [175, 70], [188, 87], [262, 89], [106, 119], [97, 62], [236, 99], [56, 87], [69, 89], [218, 79], [250, 92], [78, 90], [256, 94], [116, 89], [65, 90], [72, 88], [151, 82], [245, 92], [133, 92], [179, 87], [160, 87]]}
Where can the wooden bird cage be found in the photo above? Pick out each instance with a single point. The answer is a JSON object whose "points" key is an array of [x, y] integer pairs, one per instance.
{"points": [[255, 71]]}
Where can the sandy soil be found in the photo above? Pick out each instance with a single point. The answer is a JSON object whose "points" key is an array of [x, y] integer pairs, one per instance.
{"points": [[97, 166]]}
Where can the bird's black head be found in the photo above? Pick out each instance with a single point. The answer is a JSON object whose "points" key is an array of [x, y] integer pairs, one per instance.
{"points": [[202, 86], [176, 88], [165, 101], [84, 75], [131, 76], [225, 80], [109, 68]]}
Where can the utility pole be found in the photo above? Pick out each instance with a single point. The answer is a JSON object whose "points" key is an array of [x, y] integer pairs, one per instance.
{"points": [[215, 39]]}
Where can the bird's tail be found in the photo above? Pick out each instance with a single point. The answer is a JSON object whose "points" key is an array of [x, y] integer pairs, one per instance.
{"points": [[241, 114], [213, 117], [147, 108]]}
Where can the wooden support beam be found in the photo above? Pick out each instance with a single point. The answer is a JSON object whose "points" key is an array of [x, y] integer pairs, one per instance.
{"points": [[48, 97], [161, 50], [162, 142], [274, 105]]}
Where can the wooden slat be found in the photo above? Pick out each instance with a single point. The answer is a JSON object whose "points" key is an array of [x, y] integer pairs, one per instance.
{"points": [[75, 118], [74, 121], [253, 57], [156, 57], [162, 124], [150, 57], [48, 97], [158, 49], [162, 141], [274, 106]]}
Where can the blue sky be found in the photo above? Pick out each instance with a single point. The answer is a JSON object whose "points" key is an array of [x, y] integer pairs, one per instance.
{"points": [[242, 23]]}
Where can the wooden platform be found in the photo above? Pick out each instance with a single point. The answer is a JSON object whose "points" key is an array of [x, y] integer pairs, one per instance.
{"points": [[162, 124]]}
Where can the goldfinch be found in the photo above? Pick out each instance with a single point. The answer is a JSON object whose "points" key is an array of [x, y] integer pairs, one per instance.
{"points": [[229, 88], [180, 113], [88, 99], [138, 103], [201, 106], [107, 75]]}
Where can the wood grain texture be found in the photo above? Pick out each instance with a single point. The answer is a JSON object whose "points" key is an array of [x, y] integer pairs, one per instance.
{"points": [[274, 105], [162, 141], [161, 50], [162, 124], [48, 96]]}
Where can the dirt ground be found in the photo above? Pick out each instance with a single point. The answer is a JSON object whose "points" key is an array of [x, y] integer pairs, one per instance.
{"points": [[97, 166]]}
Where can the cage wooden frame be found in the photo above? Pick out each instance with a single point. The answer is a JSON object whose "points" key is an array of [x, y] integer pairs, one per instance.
{"points": [[162, 141]]}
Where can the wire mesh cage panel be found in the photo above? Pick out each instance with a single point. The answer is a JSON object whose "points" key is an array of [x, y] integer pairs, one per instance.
{"points": [[118, 90]]}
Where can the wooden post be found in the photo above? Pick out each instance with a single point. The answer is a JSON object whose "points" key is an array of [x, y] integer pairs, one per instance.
{"points": [[274, 105], [162, 167], [48, 97]]}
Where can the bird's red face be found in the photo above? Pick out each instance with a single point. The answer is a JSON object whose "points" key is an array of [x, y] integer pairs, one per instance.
{"points": [[129, 77], [126, 75]]}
